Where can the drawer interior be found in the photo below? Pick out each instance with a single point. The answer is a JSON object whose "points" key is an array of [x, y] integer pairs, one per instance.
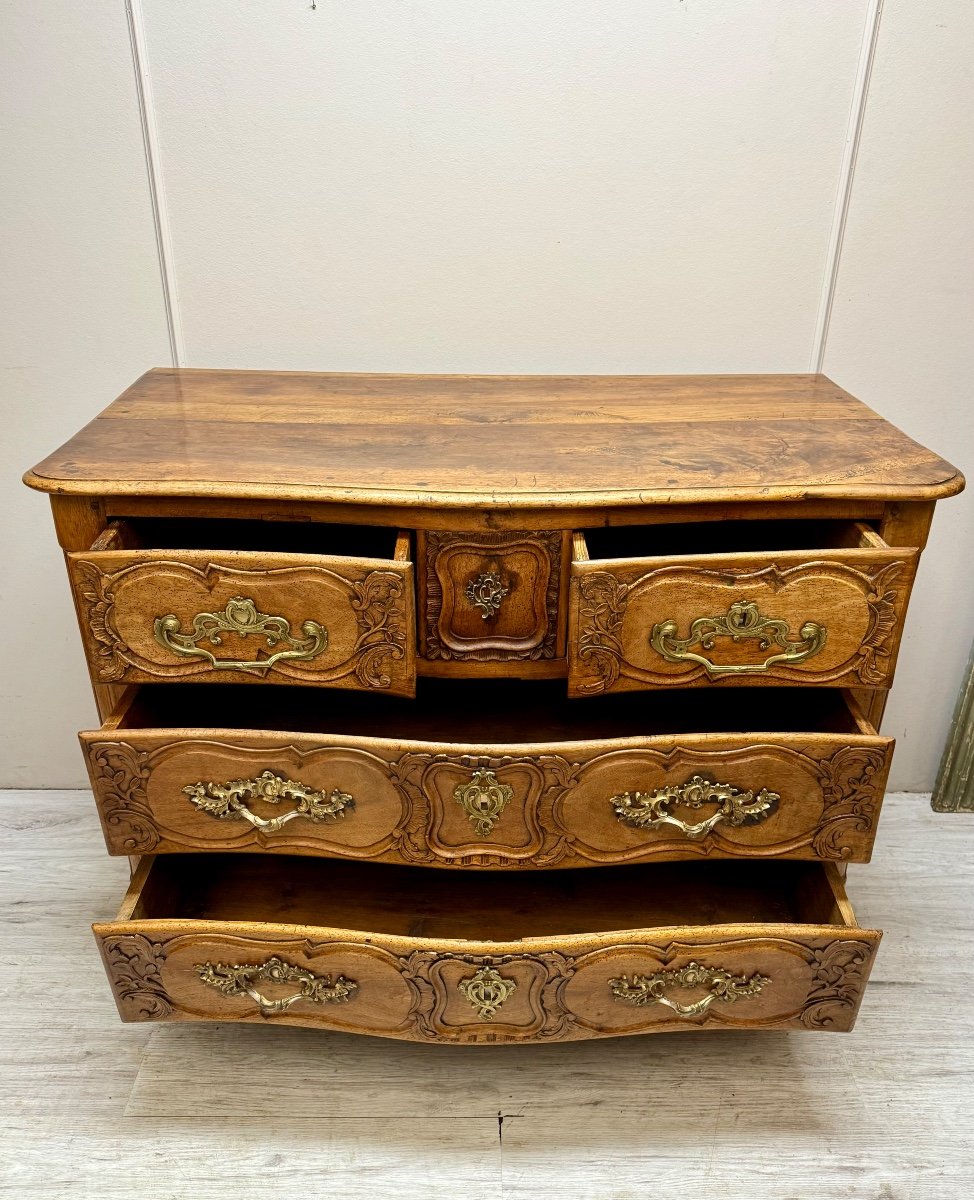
{"points": [[726, 537], [503, 711], [413, 902], [272, 537]]}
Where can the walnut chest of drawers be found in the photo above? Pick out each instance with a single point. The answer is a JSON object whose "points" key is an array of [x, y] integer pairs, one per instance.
{"points": [[490, 709]]}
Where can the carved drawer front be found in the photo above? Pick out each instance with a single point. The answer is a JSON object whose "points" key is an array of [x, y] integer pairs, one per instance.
{"points": [[826, 616], [226, 615], [531, 804], [211, 939], [488, 597]]}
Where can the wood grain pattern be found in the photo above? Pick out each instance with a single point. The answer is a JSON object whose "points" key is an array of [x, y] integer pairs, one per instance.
{"points": [[859, 597], [408, 987], [365, 608], [525, 624], [561, 812], [458, 441]]}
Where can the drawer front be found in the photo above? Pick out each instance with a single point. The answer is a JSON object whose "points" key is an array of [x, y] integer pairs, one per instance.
{"points": [[589, 986], [803, 796], [830, 618], [490, 596], [239, 616]]}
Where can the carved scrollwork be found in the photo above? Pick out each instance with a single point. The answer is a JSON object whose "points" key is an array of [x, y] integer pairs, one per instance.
{"points": [[721, 985], [377, 601], [877, 644], [602, 606], [839, 971], [227, 800], [135, 970], [99, 607], [849, 788], [119, 774], [743, 621], [650, 810], [242, 618]]}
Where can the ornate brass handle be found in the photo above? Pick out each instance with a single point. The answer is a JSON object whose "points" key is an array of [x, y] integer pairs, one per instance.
{"points": [[222, 800], [486, 593], [640, 990], [241, 617], [650, 810], [742, 621], [483, 799], [236, 980]]}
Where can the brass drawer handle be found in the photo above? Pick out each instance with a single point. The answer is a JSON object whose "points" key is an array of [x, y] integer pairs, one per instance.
{"points": [[650, 810], [483, 799], [236, 980], [640, 990], [240, 616], [222, 800], [486, 991], [742, 621], [486, 593]]}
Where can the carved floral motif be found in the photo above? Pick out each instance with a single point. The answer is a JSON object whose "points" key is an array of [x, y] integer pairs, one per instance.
{"points": [[134, 967], [120, 773], [839, 977]]}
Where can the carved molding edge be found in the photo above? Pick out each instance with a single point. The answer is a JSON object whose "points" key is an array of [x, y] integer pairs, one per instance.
{"points": [[603, 598], [434, 647], [134, 968], [119, 775]]}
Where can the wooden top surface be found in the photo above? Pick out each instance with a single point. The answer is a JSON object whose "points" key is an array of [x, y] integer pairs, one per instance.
{"points": [[482, 441]]}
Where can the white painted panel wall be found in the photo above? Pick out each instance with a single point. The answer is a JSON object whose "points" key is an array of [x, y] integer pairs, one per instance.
{"points": [[453, 185], [507, 186], [902, 331], [82, 316]]}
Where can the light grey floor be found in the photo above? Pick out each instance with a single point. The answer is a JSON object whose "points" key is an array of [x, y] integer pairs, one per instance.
{"points": [[93, 1108]]}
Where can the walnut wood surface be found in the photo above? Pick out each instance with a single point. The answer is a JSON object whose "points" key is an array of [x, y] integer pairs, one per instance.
{"points": [[679, 496], [527, 624], [792, 927], [858, 596], [458, 441], [560, 813], [366, 608]]}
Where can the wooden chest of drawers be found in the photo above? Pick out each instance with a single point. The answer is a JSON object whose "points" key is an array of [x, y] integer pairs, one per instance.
{"points": [[552, 657]]}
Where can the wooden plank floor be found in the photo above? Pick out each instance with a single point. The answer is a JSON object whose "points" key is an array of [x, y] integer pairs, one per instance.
{"points": [[92, 1108]]}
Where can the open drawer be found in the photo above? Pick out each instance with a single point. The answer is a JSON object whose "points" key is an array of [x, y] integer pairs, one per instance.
{"points": [[435, 956], [212, 601], [490, 774], [745, 602]]}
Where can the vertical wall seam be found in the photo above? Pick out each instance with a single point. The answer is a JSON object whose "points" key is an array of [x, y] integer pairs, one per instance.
{"points": [[867, 55], [157, 191]]}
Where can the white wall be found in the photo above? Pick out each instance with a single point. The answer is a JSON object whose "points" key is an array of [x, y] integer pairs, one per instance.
{"points": [[515, 186], [82, 315]]}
